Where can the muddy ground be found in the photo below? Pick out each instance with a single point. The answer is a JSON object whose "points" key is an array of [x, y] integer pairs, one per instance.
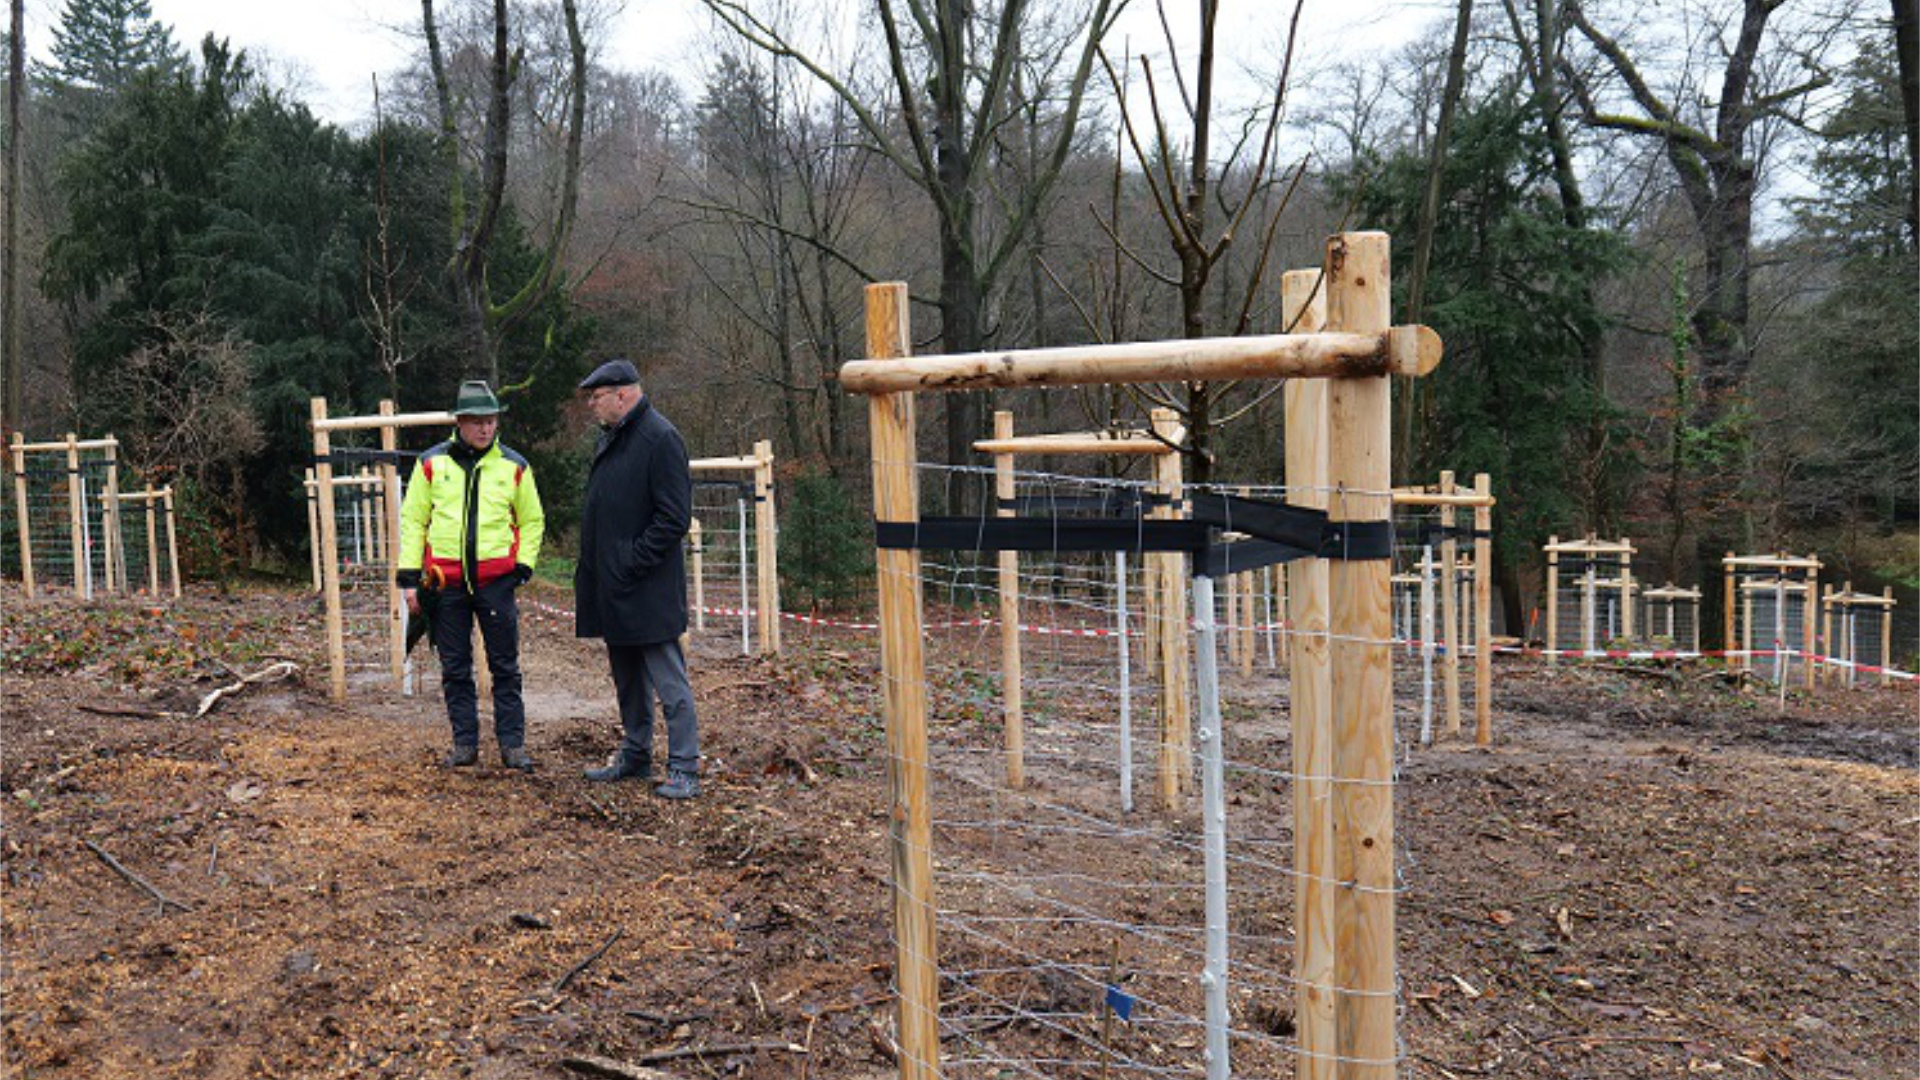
{"points": [[1651, 873]]}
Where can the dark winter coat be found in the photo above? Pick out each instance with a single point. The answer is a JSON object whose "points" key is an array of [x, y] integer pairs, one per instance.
{"points": [[631, 584]]}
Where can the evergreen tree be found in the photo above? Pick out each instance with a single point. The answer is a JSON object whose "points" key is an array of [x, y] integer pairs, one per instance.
{"points": [[99, 48]]}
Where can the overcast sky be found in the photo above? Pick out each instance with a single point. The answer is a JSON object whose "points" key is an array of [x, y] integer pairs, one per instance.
{"points": [[330, 50]]}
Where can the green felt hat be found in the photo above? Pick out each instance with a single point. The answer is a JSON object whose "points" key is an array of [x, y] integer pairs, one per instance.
{"points": [[476, 399]]}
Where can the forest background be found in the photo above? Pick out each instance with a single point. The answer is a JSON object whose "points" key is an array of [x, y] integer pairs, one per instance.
{"points": [[1671, 249]]}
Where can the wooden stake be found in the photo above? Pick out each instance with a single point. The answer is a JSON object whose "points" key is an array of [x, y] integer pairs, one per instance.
{"points": [[20, 510], [1012, 691], [76, 518], [1886, 637], [1483, 613], [1626, 590], [153, 545], [173, 540], [329, 559], [699, 575], [1727, 616], [1553, 601], [1360, 624], [1176, 710], [903, 664], [1450, 612], [113, 557], [1809, 617], [313, 528], [766, 547], [1303, 306], [390, 550]]}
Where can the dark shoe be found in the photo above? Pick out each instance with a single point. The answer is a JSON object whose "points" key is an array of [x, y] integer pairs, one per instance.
{"points": [[620, 767], [679, 785], [462, 756], [516, 757]]}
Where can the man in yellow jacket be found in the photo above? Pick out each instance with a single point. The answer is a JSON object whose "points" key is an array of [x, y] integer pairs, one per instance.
{"points": [[470, 528]]}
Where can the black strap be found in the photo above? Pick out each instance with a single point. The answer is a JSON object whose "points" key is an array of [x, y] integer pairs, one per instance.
{"points": [[1040, 534], [1241, 556], [1303, 529]]}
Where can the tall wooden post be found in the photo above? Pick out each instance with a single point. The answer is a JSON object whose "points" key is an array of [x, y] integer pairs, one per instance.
{"points": [[1732, 643], [1886, 637], [766, 547], [390, 551], [1808, 623], [1303, 305], [1012, 693], [20, 507], [698, 544], [113, 559], [153, 544], [1176, 711], [1359, 469], [329, 555], [1553, 600], [1626, 589], [76, 519], [1483, 612], [173, 540], [903, 665], [1827, 642], [1450, 610]]}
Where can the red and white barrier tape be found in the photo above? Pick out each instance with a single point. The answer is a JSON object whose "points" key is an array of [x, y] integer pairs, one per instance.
{"points": [[1108, 632]]}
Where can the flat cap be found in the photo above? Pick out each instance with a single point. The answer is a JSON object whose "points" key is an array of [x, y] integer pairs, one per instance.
{"points": [[611, 373]]}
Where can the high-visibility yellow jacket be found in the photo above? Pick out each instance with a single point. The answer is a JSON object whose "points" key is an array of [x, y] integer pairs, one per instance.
{"points": [[472, 518]]}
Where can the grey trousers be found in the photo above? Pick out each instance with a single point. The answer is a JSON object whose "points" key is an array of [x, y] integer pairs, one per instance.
{"points": [[640, 674]]}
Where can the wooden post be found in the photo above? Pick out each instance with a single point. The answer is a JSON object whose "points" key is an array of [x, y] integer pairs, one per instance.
{"points": [[1176, 715], [1303, 309], [766, 547], [20, 506], [1012, 692], [1483, 612], [153, 546], [173, 540], [390, 515], [329, 562], [903, 664], [1553, 600], [1886, 637], [313, 528], [1808, 624], [1827, 647], [699, 575], [1731, 643], [76, 519], [1359, 468], [1449, 611], [113, 556], [1626, 589]]}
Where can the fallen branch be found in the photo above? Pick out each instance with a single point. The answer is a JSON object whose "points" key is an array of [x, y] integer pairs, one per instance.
{"points": [[110, 710], [611, 1069], [561, 983], [1671, 1040], [162, 898], [723, 1050], [266, 674]]}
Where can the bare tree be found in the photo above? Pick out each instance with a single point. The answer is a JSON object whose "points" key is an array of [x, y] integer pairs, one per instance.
{"points": [[1184, 203], [477, 199], [950, 65], [10, 245]]}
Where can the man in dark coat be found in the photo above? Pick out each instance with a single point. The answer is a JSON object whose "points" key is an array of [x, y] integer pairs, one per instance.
{"points": [[630, 587]]}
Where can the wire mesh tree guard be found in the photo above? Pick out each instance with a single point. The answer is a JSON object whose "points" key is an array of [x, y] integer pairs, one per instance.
{"points": [[748, 545], [74, 524], [1591, 580], [1857, 629], [1772, 613], [1032, 943]]}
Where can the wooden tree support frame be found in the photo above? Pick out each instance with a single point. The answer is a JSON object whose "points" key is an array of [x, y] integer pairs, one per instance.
{"points": [[1839, 630], [1739, 599], [1162, 442], [1590, 549], [1352, 354], [112, 562], [1449, 497], [766, 538], [388, 423], [156, 507], [1671, 598]]}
